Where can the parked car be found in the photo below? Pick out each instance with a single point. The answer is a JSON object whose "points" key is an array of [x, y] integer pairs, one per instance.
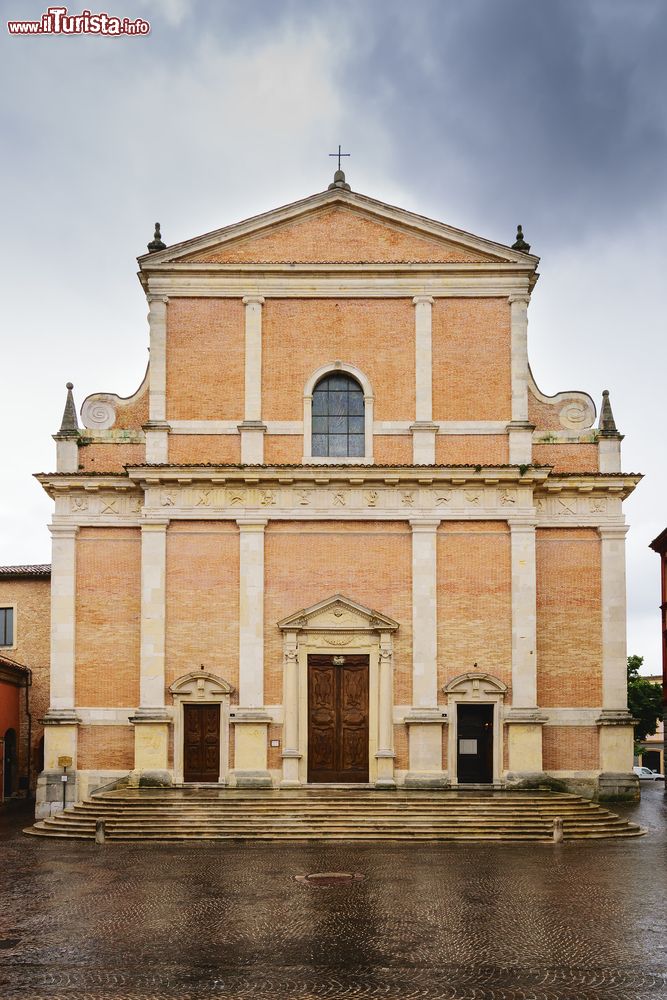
{"points": [[646, 774]]}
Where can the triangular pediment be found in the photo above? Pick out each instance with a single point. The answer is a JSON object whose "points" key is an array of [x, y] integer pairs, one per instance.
{"points": [[338, 613], [336, 227]]}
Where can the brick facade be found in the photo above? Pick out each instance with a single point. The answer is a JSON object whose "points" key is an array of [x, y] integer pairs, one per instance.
{"points": [[466, 558]]}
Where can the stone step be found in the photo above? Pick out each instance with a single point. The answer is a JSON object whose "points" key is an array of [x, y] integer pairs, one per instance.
{"points": [[313, 816], [90, 817], [439, 836], [115, 827], [359, 808], [563, 810]]}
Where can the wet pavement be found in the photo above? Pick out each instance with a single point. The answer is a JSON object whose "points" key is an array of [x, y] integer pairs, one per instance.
{"points": [[464, 922]]}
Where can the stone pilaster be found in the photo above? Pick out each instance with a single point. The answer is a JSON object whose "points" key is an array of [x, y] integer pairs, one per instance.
{"points": [[60, 722], [157, 442], [157, 389], [520, 431], [616, 733], [609, 453], [423, 430], [250, 719], [425, 719], [63, 617], [151, 733], [614, 652], [157, 428], [252, 429], [523, 718], [291, 754], [385, 752]]}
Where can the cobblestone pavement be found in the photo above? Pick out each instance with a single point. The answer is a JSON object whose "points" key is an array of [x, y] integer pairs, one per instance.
{"points": [[462, 922]]}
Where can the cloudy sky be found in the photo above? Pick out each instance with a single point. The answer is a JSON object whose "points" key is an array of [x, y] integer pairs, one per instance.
{"points": [[481, 113]]}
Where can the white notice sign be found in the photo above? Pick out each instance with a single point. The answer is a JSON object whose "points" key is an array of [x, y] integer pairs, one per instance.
{"points": [[467, 746]]}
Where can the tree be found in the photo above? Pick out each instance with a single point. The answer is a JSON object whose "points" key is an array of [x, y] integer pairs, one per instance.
{"points": [[644, 700]]}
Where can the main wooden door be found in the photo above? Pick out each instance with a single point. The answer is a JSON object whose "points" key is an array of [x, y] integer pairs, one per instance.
{"points": [[201, 749], [474, 757], [338, 718]]}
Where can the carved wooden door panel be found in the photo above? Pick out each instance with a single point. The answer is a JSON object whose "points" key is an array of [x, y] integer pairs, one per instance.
{"points": [[201, 749], [338, 718]]}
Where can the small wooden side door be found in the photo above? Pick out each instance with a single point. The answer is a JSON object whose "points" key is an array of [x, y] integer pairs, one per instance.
{"points": [[337, 719], [201, 749], [474, 744]]}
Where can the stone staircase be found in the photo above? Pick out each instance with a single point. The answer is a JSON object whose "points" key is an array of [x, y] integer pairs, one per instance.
{"points": [[144, 814]]}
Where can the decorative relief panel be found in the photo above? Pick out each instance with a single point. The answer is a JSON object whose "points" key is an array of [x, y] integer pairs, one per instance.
{"points": [[107, 506], [579, 508], [338, 500]]}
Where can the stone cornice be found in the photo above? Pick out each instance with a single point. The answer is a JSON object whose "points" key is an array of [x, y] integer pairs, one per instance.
{"points": [[337, 280], [148, 475]]}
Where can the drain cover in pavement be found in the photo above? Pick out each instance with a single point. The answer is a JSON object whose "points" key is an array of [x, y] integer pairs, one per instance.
{"points": [[330, 878]]}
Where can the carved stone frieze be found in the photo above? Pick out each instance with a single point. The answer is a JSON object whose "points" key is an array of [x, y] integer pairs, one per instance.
{"points": [[97, 505], [583, 504]]}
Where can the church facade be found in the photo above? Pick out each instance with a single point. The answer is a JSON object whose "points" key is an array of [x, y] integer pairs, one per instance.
{"points": [[338, 535]]}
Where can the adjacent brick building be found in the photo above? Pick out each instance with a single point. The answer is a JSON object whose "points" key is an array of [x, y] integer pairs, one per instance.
{"points": [[24, 674], [338, 534]]}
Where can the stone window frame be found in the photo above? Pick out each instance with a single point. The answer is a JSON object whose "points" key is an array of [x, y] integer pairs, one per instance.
{"points": [[333, 368], [13, 609]]}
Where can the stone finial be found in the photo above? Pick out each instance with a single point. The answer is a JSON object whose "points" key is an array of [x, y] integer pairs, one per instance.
{"points": [[607, 425], [520, 244], [156, 243], [69, 426], [339, 182]]}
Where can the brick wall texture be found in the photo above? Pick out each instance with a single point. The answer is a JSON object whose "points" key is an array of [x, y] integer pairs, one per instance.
{"points": [[135, 414], [471, 449], [200, 449], [301, 335], [471, 359], [569, 619], [205, 359], [283, 449], [107, 748], [108, 606], [341, 235], [202, 599], [103, 457], [307, 562], [570, 748], [567, 457], [474, 600]]}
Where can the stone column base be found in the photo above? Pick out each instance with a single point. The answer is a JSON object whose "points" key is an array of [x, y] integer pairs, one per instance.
{"points": [[252, 441], [151, 749], [385, 769], [616, 742], [618, 787], [520, 442], [49, 792], [423, 442], [524, 742], [251, 749], [290, 778], [427, 779], [425, 749]]}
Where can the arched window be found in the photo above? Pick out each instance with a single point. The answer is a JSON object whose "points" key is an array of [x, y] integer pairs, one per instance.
{"points": [[338, 429]]}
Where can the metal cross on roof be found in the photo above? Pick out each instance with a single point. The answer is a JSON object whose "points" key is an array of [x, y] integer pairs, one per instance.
{"points": [[339, 154]]}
